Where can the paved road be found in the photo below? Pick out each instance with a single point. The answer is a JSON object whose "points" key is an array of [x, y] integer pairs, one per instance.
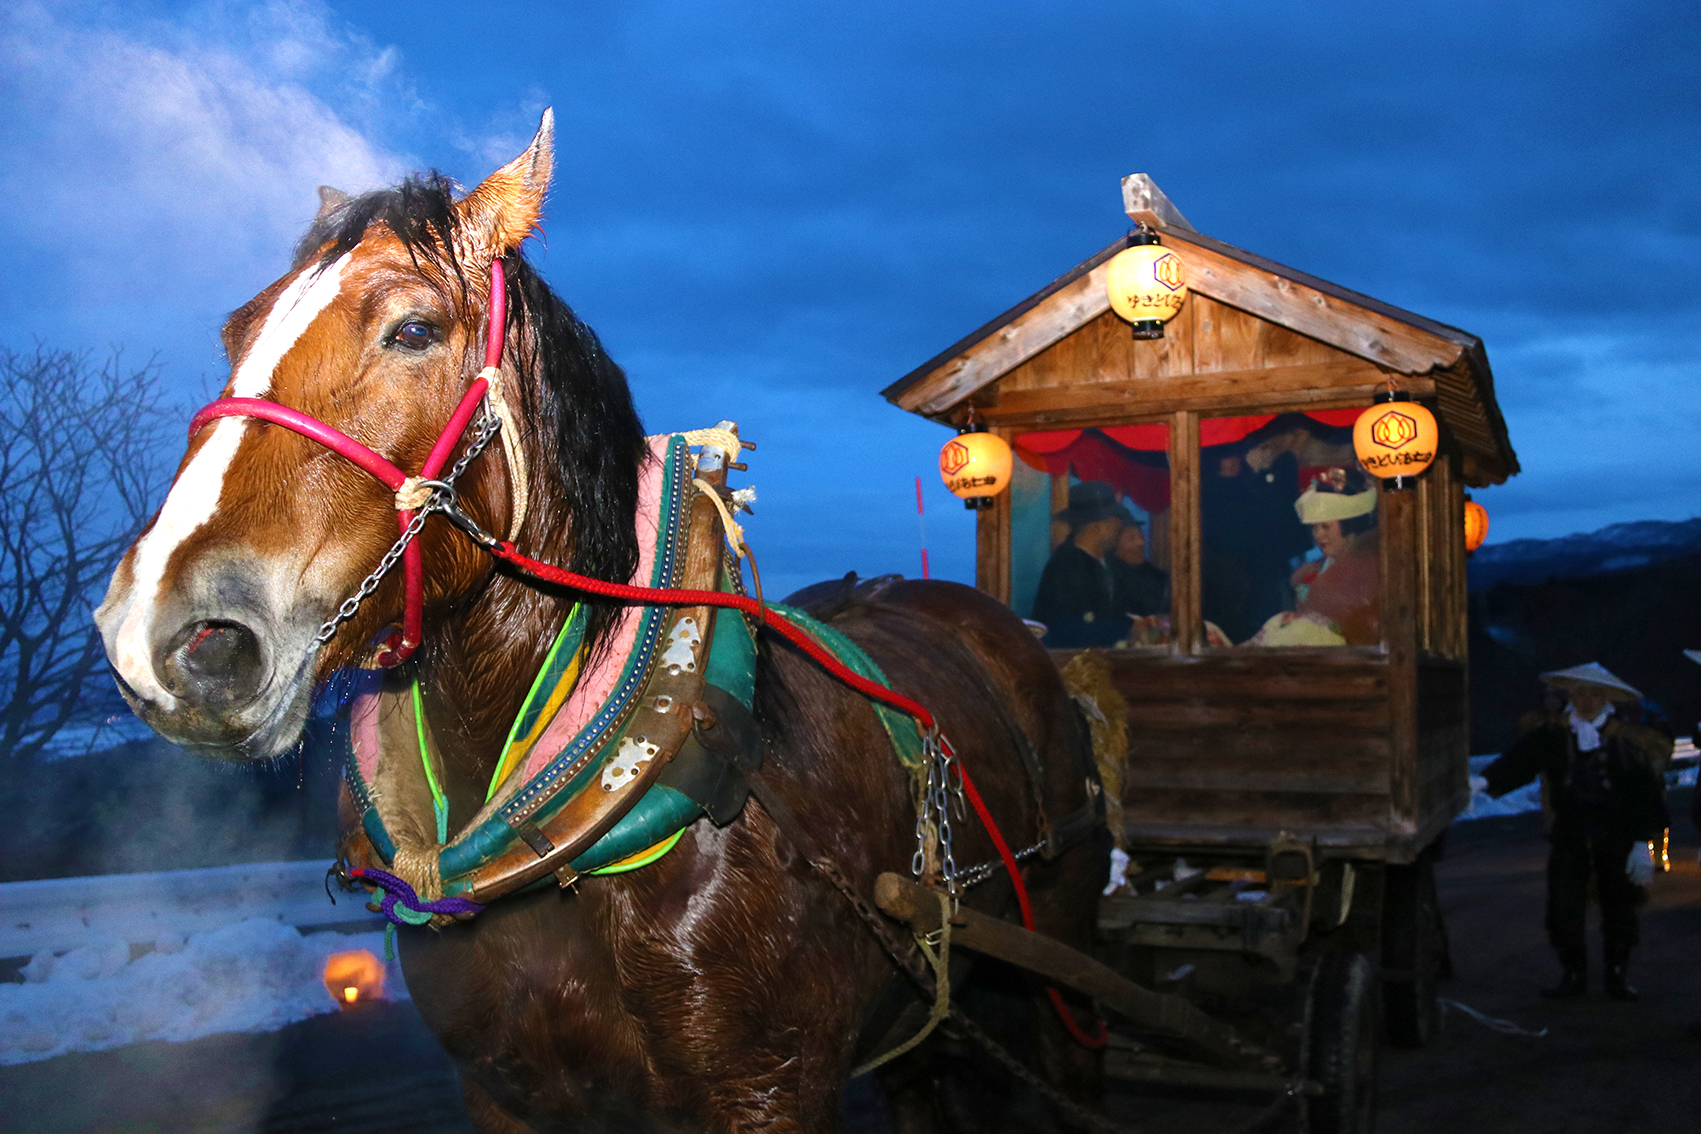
{"points": [[1603, 1067]]}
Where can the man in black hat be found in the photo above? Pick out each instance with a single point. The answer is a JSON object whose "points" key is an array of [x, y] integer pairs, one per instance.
{"points": [[1076, 598]]}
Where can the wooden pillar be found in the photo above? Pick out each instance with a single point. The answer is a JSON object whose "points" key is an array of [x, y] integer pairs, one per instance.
{"points": [[1429, 570], [992, 542], [1186, 628], [1398, 521], [1456, 641]]}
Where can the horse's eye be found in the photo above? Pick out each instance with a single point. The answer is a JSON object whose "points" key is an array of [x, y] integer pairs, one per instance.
{"points": [[415, 334]]}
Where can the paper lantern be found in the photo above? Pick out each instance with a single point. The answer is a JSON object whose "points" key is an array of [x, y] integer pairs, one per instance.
{"points": [[975, 465], [1476, 525], [354, 976], [1146, 284], [1395, 439]]}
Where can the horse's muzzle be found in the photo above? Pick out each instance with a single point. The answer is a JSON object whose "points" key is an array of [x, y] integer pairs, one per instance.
{"points": [[218, 668]]}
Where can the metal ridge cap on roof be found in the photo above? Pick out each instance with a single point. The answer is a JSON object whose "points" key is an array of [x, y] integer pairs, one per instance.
{"points": [[890, 393]]}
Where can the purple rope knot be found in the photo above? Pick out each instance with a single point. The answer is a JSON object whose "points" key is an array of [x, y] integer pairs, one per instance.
{"points": [[402, 905]]}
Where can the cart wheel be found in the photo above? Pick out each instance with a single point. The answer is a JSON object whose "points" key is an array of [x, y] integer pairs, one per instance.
{"points": [[1412, 943], [1344, 1041]]}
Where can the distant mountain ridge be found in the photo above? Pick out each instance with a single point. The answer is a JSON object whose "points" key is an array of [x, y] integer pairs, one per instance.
{"points": [[1617, 547], [1627, 596]]}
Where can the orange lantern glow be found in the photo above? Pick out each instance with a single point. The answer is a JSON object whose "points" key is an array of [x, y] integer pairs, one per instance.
{"points": [[975, 465], [1476, 525], [1395, 439], [354, 976], [1146, 284]]}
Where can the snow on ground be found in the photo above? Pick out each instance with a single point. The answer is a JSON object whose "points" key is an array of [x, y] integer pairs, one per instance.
{"points": [[260, 974], [1682, 773], [253, 976], [1526, 798]]}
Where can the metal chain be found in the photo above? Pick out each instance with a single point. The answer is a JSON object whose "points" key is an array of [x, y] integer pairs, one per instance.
{"points": [[485, 428], [442, 500], [980, 872], [1082, 1116], [351, 604], [933, 817]]}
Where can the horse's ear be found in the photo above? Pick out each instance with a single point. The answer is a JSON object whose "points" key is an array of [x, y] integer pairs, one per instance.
{"points": [[498, 215], [330, 200]]}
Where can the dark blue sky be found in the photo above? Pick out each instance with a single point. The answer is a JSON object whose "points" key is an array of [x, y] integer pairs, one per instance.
{"points": [[771, 215]]}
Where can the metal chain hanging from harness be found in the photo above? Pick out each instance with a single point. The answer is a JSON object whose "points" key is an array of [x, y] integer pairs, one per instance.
{"points": [[933, 815], [441, 498]]}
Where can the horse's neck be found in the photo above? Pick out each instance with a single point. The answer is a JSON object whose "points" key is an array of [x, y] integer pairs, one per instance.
{"points": [[480, 664]]}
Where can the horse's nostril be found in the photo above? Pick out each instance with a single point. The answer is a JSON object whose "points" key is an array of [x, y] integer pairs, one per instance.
{"points": [[216, 664]]}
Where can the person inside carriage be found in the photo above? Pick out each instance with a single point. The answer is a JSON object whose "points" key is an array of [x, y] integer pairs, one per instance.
{"points": [[1337, 597], [1077, 597], [1138, 586]]}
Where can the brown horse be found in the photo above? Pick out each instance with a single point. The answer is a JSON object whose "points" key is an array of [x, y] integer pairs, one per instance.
{"points": [[724, 986]]}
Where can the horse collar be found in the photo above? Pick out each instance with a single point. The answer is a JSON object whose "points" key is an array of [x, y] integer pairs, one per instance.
{"points": [[582, 782]]}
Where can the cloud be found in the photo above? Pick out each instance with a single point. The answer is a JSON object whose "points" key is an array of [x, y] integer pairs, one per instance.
{"points": [[170, 166]]}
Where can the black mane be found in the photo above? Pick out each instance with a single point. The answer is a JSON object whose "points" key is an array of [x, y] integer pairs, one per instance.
{"points": [[582, 406]]}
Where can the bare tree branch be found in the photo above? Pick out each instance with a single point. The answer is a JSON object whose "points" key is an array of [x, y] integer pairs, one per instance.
{"points": [[82, 459]]}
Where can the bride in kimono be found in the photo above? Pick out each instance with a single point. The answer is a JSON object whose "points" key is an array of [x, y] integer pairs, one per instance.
{"points": [[1338, 596]]}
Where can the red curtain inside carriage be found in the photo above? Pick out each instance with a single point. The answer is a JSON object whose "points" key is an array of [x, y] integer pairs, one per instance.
{"points": [[1123, 455]]}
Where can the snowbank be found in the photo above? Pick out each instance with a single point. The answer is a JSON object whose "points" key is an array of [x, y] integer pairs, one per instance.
{"points": [[68, 913], [1526, 798], [254, 976], [1681, 773]]}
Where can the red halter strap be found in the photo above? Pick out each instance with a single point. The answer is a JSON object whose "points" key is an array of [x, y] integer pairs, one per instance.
{"points": [[399, 647]]}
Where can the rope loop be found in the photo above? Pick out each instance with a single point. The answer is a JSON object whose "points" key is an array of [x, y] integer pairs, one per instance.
{"points": [[725, 439], [519, 477], [730, 527], [403, 906], [936, 947], [413, 494]]}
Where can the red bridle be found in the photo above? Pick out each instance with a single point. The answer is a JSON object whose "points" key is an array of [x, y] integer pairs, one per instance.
{"points": [[398, 647]]}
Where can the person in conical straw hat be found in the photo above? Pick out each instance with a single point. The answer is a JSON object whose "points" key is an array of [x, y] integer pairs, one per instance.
{"points": [[1605, 782]]}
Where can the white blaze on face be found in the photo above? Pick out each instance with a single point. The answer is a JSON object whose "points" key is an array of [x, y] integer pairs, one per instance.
{"points": [[194, 498]]}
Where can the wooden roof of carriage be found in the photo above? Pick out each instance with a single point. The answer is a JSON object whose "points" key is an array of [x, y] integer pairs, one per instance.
{"points": [[1262, 334]]}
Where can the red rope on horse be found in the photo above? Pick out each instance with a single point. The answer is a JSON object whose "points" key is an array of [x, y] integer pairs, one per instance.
{"points": [[1015, 873], [506, 551], [764, 615]]}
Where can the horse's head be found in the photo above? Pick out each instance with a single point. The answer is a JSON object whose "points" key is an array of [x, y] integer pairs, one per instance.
{"points": [[377, 331]]}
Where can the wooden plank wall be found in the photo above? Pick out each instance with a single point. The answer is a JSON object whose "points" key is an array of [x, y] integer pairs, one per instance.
{"points": [[1297, 741], [1444, 736]]}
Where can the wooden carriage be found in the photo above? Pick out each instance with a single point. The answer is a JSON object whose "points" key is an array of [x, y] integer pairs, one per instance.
{"points": [[1352, 757]]}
